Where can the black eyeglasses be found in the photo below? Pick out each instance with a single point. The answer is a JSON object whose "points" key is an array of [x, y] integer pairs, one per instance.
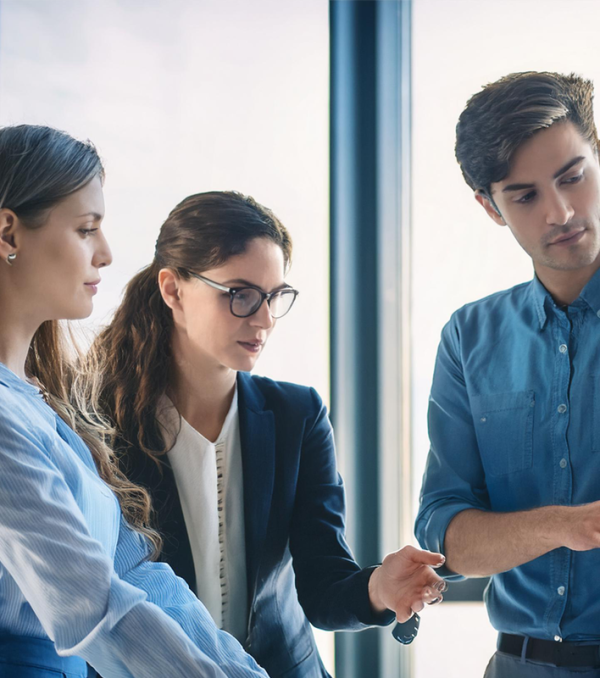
{"points": [[245, 301]]}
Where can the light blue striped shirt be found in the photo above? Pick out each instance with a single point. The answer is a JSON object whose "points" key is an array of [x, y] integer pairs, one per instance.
{"points": [[71, 568]]}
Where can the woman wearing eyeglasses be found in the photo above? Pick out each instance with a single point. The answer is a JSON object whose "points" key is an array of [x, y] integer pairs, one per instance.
{"points": [[241, 468]]}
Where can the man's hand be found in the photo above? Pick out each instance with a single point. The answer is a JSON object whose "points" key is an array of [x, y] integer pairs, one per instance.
{"points": [[483, 543], [405, 582]]}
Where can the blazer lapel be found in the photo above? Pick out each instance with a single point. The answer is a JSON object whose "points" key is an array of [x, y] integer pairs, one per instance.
{"points": [[257, 436], [176, 551]]}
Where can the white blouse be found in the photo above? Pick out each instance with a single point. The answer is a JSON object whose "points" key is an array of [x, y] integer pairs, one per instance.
{"points": [[210, 484]]}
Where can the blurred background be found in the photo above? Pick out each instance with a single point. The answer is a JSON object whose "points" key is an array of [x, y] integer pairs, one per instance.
{"points": [[340, 117]]}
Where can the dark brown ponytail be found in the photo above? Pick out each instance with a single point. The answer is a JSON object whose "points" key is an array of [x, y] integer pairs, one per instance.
{"points": [[132, 357]]}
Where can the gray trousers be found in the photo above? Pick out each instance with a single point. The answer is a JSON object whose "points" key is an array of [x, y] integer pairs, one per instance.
{"points": [[507, 666]]}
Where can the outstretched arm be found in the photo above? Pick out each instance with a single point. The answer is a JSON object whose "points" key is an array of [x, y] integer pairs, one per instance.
{"points": [[334, 591], [482, 543]]}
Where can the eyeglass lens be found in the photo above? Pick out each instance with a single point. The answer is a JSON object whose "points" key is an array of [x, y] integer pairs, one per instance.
{"points": [[247, 301]]}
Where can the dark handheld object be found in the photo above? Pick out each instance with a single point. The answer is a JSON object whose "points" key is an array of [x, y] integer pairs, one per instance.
{"points": [[406, 632]]}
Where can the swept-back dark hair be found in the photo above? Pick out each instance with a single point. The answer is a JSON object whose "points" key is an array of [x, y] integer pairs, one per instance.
{"points": [[497, 120], [39, 167], [133, 353]]}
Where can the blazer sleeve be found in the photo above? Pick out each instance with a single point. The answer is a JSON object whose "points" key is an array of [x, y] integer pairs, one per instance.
{"points": [[332, 587]]}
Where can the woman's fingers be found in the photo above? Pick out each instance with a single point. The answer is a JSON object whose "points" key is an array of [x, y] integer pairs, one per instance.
{"points": [[418, 605], [404, 582], [420, 557]]}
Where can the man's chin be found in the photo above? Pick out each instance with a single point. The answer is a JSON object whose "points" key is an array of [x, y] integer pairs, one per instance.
{"points": [[572, 261]]}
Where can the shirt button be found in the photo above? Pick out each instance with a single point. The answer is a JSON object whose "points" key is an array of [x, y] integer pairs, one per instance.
{"points": [[562, 348], [563, 463], [558, 639], [560, 590], [562, 408], [483, 420], [598, 314]]}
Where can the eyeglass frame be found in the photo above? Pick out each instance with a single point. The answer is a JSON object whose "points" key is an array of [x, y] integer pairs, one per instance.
{"points": [[233, 290]]}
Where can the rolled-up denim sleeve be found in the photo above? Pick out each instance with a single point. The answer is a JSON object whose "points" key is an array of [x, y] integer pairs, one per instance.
{"points": [[454, 478]]}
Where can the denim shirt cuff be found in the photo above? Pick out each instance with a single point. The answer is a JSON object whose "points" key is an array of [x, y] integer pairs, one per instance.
{"points": [[434, 533]]}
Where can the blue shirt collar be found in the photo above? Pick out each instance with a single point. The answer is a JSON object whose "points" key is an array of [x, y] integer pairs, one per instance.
{"points": [[590, 294], [541, 298], [9, 379]]}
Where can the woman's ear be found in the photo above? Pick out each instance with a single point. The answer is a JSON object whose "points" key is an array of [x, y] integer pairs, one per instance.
{"points": [[168, 284], [8, 226], [489, 206]]}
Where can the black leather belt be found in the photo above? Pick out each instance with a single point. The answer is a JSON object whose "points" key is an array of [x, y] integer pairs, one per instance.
{"points": [[551, 652]]}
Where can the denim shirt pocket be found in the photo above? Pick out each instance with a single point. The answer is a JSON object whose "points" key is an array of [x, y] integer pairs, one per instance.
{"points": [[595, 423], [504, 428]]}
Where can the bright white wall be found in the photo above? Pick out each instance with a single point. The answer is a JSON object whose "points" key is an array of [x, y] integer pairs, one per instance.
{"points": [[183, 96], [186, 96], [458, 253]]}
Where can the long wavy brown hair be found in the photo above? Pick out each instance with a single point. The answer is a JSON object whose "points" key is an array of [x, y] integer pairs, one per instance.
{"points": [[39, 167], [132, 354]]}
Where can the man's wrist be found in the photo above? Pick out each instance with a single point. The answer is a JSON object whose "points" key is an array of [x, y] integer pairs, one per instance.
{"points": [[555, 520]]}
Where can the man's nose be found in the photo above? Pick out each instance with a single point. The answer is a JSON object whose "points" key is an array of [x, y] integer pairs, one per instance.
{"points": [[558, 210]]}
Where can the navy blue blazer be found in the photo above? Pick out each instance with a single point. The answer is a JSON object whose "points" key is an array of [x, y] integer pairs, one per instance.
{"points": [[299, 567]]}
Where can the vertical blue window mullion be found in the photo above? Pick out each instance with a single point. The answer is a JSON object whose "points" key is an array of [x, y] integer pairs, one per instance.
{"points": [[367, 197]]}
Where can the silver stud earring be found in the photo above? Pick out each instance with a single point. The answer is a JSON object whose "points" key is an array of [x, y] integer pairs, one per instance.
{"points": [[10, 258]]}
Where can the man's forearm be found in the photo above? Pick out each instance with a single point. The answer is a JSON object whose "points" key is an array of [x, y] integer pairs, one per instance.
{"points": [[481, 543]]}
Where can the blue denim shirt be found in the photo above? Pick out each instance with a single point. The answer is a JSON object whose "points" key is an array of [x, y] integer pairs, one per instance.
{"points": [[514, 424]]}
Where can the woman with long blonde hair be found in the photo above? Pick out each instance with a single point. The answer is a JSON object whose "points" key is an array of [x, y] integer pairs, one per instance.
{"points": [[77, 581]]}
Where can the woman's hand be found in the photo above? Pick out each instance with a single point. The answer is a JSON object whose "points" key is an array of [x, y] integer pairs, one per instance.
{"points": [[405, 582]]}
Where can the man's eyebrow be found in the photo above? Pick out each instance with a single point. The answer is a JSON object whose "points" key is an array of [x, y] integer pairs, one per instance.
{"points": [[97, 216], [568, 166], [516, 187], [562, 170]]}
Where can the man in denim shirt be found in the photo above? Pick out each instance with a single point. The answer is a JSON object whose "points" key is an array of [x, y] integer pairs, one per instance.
{"points": [[512, 484]]}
